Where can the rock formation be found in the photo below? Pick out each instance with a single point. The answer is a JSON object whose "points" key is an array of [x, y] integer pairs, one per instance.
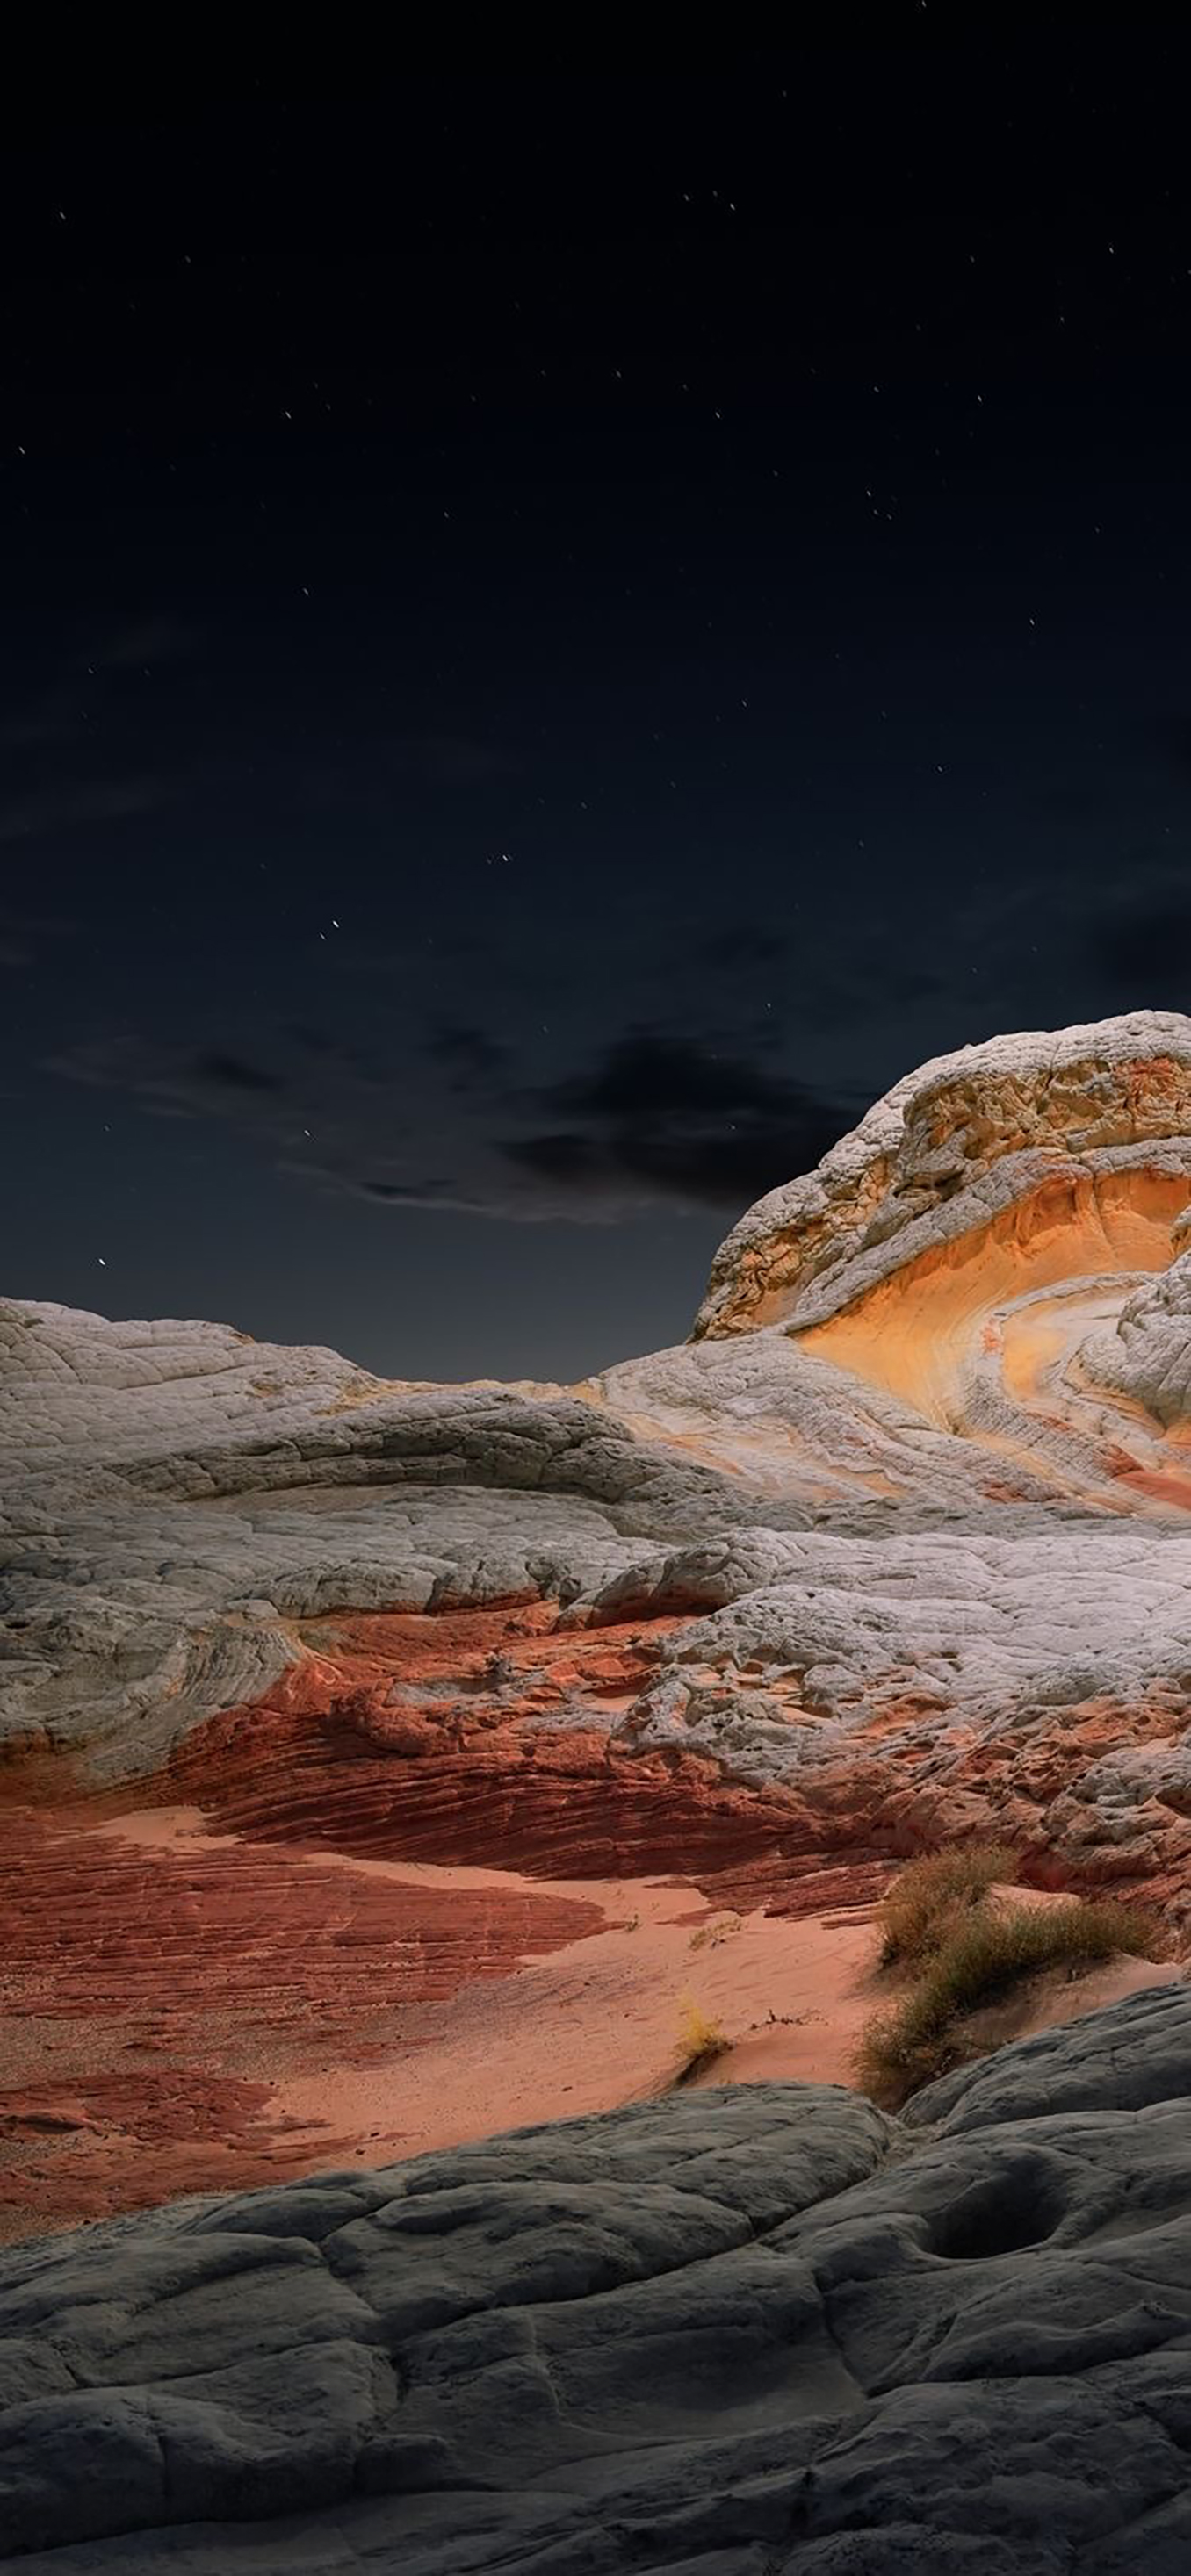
{"points": [[389, 1707], [381, 1764], [753, 2331]]}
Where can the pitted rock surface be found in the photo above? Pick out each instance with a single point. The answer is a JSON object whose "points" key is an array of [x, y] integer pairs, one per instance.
{"points": [[759, 2329]]}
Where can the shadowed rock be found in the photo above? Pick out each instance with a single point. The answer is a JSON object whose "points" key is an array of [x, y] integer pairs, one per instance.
{"points": [[758, 2328]]}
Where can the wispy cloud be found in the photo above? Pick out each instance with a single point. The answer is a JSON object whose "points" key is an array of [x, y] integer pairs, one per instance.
{"points": [[655, 1119]]}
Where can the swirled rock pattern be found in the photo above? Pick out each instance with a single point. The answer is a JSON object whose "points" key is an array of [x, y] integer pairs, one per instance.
{"points": [[967, 1134], [895, 1548], [754, 2331]]}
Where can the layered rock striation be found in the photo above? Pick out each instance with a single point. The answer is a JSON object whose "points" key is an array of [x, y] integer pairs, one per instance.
{"points": [[895, 1548], [959, 1140]]}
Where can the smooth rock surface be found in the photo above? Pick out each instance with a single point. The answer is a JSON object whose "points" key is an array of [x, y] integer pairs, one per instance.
{"points": [[758, 2329]]}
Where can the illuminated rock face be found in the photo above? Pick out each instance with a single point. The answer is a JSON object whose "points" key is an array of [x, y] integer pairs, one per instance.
{"points": [[896, 1549], [951, 1144]]}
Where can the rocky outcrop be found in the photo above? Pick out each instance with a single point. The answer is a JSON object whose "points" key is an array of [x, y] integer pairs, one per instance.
{"points": [[756, 2328], [897, 1548], [354, 1753], [1145, 1356], [175, 1497], [963, 1137]]}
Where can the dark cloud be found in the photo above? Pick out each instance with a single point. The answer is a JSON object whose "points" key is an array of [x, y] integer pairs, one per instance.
{"points": [[404, 1193], [645, 1075], [574, 1160], [334, 1055], [656, 1120], [174, 1082], [669, 1120], [313, 1041], [728, 1171], [698, 1170], [35, 812], [23, 934]]}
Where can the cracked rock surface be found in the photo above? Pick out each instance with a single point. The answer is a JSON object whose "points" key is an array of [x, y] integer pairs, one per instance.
{"points": [[754, 2329]]}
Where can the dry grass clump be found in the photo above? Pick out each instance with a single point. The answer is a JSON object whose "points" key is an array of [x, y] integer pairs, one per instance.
{"points": [[980, 1959], [710, 1935], [932, 1897], [700, 2039]]}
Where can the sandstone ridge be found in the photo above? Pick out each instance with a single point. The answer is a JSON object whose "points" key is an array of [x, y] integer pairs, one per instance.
{"points": [[417, 1694], [966, 1132]]}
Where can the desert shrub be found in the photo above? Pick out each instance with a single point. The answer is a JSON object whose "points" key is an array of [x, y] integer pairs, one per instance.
{"points": [[710, 1935], [981, 1958], [931, 1897], [700, 2038]]}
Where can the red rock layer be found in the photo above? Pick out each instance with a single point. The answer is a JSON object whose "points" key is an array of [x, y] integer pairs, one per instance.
{"points": [[430, 1739], [159, 1987], [440, 1739], [1023, 1788], [149, 1991], [463, 1739], [91, 1924], [554, 1806], [109, 2142]]}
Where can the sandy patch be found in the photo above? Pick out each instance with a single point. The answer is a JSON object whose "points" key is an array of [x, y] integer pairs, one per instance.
{"points": [[246, 2012], [188, 2010], [599, 2023]]}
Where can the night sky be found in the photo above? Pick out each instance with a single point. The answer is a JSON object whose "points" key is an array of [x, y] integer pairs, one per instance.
{"points": [[558, 633]]}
